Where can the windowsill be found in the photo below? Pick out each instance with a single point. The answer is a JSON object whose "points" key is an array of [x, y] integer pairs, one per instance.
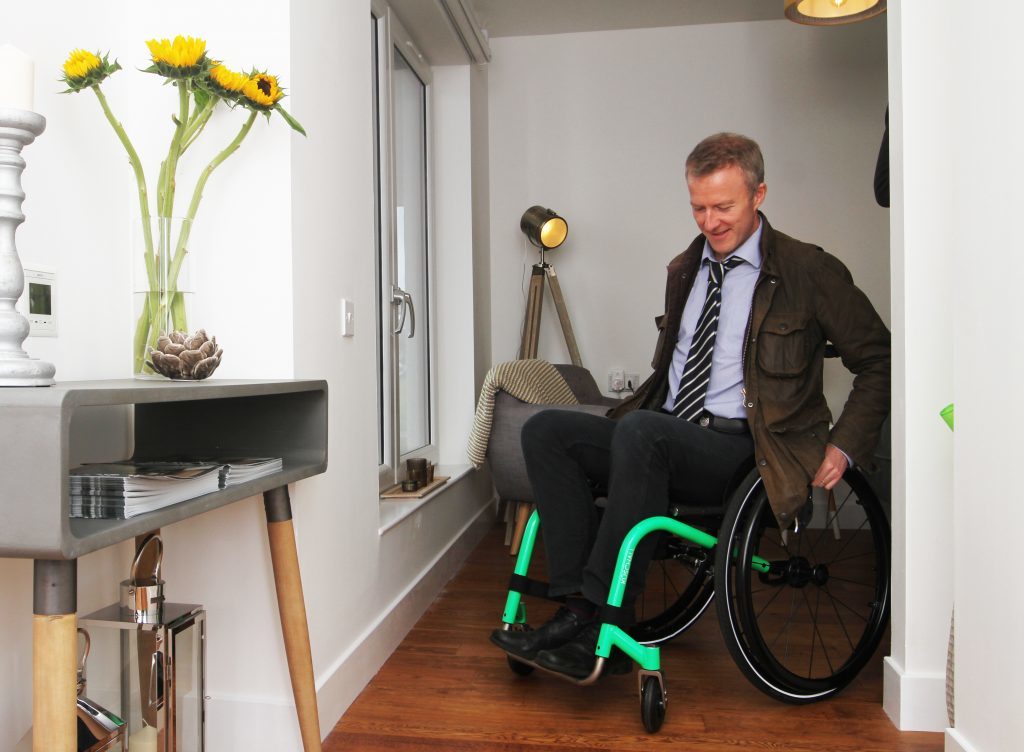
{"points": [[393, 511]]}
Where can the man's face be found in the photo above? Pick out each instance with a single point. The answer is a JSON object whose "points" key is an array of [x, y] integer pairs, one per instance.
{"points": [[724, 208]]}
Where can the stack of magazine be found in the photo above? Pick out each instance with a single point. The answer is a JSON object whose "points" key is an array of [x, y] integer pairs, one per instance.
{"points": [[123, 490]]}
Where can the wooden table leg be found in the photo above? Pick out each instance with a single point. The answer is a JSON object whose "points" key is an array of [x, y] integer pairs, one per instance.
{"points": [[54, 656], [292, 608], [523, 511]]}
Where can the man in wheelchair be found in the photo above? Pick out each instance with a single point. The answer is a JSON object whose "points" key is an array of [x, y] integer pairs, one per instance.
{"points": [[737, 374]]}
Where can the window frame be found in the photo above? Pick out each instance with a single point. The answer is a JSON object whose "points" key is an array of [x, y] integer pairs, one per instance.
{"points": [[390, 36]]}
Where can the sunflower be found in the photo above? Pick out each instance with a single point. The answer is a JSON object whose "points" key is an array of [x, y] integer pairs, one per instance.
{"points": [[224, 82], [184, 57], [83, 69], [262, 91]]}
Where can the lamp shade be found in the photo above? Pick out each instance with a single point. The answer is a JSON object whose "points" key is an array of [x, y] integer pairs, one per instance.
{"points": [[543, 227], [832, 12]]}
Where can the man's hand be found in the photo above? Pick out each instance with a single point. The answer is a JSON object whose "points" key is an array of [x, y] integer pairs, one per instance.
{"points": [[831, 469]]}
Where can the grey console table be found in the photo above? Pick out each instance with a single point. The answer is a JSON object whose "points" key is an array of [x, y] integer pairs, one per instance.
{"points": [[286, 419]]}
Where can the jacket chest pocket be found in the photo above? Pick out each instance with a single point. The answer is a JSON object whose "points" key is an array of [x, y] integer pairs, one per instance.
{"points": [[785, 344]]}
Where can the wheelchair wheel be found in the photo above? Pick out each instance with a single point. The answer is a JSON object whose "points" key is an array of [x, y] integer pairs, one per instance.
{"points": [[652, 704], [803, 630], [678, 590], [518, 667]]}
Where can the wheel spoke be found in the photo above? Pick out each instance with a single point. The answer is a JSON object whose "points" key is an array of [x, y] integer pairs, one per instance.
{"points": [[839, 617], [849, 539], [871, 585], [778, 591], [817, 633], [849, 608]]}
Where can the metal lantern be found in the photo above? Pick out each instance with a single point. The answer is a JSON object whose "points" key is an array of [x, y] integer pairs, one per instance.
{"points": [[149, 661]]}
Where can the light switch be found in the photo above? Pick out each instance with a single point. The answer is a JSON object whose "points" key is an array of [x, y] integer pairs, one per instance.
{"points": [[348, 318]]}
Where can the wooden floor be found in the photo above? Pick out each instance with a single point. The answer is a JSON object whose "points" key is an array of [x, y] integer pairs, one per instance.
{"points": [[448, 688]]}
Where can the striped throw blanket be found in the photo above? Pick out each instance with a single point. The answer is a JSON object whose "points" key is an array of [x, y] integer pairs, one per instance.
{"points": [[534, 381]]}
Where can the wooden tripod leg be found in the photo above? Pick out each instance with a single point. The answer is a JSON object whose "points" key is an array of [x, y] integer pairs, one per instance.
{"points": [[523, 512], [531, 322], [292, 608], [563, 317], [54, 656]]}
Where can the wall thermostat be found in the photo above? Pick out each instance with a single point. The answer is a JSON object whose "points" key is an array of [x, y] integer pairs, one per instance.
{"points": [[38, 302]]}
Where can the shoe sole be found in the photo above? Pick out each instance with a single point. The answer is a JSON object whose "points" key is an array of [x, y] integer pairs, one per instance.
{"points": [[519, 656]]}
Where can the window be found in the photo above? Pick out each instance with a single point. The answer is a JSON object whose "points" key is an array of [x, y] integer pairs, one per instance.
{"points": [[403, 233]]}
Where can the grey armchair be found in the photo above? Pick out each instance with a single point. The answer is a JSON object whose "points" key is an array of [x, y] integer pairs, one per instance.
{"points": [[505, 453]]}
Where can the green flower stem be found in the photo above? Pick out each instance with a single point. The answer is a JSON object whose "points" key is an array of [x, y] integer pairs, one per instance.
{"points": [[170, 167], [146, 317], [197, 195], [198, 122], [140, 180]]}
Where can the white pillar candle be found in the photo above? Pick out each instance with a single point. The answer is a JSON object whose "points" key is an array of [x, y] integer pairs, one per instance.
{"points": [[143, 740], [17, 79]]}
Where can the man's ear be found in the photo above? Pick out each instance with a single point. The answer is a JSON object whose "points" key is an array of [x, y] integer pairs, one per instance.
{"points": [[759, 195]]}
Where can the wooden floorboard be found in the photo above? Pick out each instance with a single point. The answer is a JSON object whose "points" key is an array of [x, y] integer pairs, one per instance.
{"points": [[448, 688]]}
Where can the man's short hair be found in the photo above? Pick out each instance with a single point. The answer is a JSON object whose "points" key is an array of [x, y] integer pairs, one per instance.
{"points": [[725, 149]]}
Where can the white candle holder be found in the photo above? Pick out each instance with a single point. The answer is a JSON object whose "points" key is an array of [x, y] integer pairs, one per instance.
{"points": [[18, 128]]}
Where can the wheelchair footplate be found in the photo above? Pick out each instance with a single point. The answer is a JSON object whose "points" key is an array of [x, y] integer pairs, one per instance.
{"points": [[653, 698]]}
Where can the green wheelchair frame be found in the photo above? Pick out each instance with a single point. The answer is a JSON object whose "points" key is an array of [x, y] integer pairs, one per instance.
{"points": [[653, 697], [776, 562]]}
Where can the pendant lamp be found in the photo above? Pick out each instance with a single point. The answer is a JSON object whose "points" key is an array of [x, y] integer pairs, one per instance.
{"points": [[832, 12]]}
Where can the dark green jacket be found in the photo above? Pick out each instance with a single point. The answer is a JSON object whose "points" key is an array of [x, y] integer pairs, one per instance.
{"points": [[802, 298]]}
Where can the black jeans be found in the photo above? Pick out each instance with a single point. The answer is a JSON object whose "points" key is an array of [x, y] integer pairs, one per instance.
{"points": [[645, 460]]}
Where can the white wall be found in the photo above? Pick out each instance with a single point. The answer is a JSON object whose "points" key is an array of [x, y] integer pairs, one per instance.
{"points": [[988, 514], [597, 126], [81, 199], [79, 207], [288, 233], [923, 277]]}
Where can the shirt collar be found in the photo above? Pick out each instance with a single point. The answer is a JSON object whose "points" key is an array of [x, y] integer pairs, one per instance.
{"points": [[749, 251]]}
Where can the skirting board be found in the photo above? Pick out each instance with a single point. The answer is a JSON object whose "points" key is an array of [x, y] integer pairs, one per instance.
{"points": [[354, 671], [260, 724], [914, 702], [252, 724], [955, 742]]}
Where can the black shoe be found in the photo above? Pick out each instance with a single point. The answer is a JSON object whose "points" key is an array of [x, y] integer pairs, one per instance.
{"points": [[557, 631], [576, 658]]}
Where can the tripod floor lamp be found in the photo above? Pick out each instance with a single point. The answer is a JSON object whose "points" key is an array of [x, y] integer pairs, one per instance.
{"points": [[547, 231]]}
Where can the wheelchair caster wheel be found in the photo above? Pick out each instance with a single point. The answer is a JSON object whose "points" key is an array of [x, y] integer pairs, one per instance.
{"points": [[652, 703], [518, 667]]}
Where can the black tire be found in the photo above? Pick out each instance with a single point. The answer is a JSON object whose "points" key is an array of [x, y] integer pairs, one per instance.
{"points": [[677, 591], [518, 667], [652, 704], [803, 631]]}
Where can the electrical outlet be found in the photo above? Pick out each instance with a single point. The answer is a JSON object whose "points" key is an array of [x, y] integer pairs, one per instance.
{"points": [[616, 380], [632, 382]]}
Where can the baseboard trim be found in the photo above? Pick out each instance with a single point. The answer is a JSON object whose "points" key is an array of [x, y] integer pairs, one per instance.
{"points": [[913, 702], [342, 683], [955, 742]]}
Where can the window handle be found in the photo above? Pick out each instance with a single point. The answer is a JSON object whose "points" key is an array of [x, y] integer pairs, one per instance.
{"points": [[403, 300]]}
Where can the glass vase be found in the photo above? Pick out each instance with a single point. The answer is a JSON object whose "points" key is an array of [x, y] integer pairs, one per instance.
{"points": [[163, 288]]}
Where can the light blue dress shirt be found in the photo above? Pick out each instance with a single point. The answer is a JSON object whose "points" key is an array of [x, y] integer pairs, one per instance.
{"points": [[725, 395]]}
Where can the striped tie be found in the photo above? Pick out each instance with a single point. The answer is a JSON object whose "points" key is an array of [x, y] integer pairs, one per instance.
{"points": [[693, 387]]}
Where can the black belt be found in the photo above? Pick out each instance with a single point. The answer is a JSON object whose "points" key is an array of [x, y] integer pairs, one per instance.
{"points": [[723, 425]]}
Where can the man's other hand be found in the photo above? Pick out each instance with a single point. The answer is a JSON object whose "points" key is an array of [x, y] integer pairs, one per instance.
{"points": [[831, 469]]}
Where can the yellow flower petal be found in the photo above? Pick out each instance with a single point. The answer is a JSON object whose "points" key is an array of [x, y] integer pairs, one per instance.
{"points": [[262, 90], [80, 63], [228, 79], [182, 52]]}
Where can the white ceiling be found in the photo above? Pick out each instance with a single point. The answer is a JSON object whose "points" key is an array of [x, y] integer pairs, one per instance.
{"points": [[510, 18], [431, 30]]}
